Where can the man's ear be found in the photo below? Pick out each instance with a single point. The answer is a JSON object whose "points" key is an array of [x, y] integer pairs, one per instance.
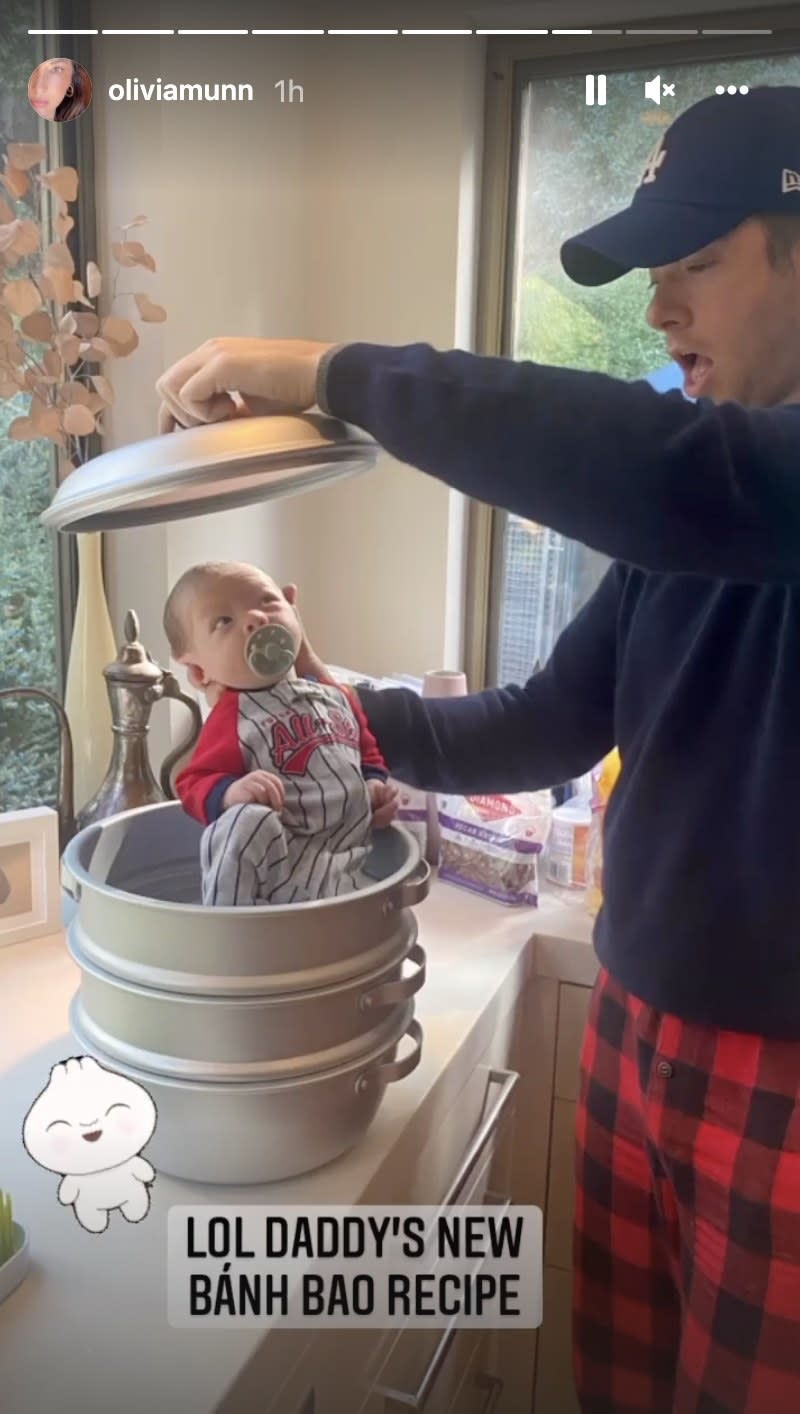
{"points": [[289, 593]]}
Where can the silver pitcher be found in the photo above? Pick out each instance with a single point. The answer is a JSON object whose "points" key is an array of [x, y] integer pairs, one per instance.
{"points": [[134, 682]]}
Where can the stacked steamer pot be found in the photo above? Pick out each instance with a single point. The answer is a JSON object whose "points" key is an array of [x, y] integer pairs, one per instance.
{"points": [[266, 1036]]}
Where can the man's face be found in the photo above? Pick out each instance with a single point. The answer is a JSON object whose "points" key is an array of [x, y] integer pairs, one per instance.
{"points": [[739, 317], [220, 619]]}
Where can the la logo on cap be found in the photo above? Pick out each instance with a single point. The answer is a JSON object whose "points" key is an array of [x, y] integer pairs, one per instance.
{"points": [[654, 161], [790, 180]]}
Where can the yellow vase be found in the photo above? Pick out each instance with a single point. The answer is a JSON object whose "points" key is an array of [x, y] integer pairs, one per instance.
{"points": [[91, 649]]}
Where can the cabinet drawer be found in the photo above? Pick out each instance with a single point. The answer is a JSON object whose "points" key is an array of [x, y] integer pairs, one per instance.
{"points": [[573, 1007], [273, 1365], [479, 1392], [428, 1175], [408, 1395], [555, 1390], [560, 1214], [422, 1371]]}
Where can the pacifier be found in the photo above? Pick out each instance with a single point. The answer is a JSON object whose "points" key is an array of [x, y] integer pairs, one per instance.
{"points": [[271, 651]]}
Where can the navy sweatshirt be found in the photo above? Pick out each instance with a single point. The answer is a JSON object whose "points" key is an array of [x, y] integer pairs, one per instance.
{"points": [[687, 657]]}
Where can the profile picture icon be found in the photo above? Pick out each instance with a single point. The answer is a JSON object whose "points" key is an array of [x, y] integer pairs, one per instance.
{"points": [[59, 90]]}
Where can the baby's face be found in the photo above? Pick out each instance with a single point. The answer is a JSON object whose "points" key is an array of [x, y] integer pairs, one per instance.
{"points": [[221, 618]]}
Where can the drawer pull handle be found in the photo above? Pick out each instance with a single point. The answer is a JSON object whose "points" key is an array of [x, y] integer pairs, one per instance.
{"points": [[506, 1079], [494, 1388], [421, 1395]]}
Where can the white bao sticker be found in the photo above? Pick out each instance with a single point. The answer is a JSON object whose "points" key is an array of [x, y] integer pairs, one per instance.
{"points": [[89, 1124]]}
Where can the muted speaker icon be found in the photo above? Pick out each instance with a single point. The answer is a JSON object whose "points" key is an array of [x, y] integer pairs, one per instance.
{"points": [[654, 89]]}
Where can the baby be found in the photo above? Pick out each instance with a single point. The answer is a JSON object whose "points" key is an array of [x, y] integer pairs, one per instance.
{"points": [[286, 773]]}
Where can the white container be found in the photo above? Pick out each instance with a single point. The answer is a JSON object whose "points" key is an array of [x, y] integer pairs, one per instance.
{"points": [[567, 847], [439, 682], [15, 1269]]}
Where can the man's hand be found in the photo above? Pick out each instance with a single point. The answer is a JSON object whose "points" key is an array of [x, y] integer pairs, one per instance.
{"points": [[383, 796], [267, 375], [308, 662], [256, 788]]}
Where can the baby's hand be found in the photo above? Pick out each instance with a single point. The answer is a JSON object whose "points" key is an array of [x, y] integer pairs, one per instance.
{"points": [[383, 797], [257, 788]]}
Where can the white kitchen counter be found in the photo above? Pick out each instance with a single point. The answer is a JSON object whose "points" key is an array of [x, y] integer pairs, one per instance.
{"points": [[87, 1330]]}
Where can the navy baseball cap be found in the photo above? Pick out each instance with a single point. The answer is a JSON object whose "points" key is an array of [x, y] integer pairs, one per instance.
{"points": [[727, 158]]}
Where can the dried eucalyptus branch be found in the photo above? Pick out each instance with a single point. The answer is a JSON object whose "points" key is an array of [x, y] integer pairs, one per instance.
{"points": [[37, 286]]}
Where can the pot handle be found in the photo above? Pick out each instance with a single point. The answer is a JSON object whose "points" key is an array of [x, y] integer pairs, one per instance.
{"points": [[386, 993], [70, 885], [416, 887], [171, 688], [387, 1071]]}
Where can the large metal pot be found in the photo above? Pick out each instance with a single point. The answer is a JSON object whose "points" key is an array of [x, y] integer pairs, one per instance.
{"points": [[211, 1038], [136, 880], [261, 1132]]}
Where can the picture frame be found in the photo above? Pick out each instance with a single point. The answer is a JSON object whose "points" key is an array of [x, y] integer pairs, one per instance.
{"points": [[30, 891]]}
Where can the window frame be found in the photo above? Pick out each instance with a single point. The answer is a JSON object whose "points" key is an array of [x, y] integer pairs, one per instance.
{"points": [[71, 145], [510, 65]]}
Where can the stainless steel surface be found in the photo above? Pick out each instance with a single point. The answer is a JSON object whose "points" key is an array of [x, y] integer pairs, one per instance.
{"points": [[198, 470], [134, 683], [259, 1133], [247, 1037], [118, 1048], [66, 802], [137, 881]]}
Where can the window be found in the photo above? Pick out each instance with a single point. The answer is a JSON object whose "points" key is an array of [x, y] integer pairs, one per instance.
{"points": [[573, 165], [37, 575]]}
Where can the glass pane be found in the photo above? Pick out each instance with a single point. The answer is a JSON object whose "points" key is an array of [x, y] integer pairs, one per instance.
{"points": [[28, 602], [577, 165]]}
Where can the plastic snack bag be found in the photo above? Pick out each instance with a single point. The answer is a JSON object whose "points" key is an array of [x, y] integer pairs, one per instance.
{"points": [[492, 843]]}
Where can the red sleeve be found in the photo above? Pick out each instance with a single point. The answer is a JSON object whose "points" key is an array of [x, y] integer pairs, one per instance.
{"points": [[216, 757], [370, 751]]}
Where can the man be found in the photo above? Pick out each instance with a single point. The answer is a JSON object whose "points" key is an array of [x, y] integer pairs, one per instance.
{"points": [[687, 1252]]}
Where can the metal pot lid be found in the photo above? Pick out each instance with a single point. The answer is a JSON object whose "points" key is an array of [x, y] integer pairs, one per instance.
{"points": [[216, 467]]}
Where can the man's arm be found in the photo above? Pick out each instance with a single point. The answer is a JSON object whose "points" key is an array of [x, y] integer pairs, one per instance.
{"points": [[644, 477], [509, 739]]}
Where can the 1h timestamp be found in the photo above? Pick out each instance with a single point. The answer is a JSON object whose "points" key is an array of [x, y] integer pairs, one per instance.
{"points": [[289, 91]]}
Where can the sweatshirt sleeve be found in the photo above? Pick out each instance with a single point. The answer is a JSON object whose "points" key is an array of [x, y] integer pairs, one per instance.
{"points": [[649, 478], [556, 727], [215, 762]]}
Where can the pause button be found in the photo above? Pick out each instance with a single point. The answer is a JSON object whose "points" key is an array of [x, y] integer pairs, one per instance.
{"points": [[595, 89]]}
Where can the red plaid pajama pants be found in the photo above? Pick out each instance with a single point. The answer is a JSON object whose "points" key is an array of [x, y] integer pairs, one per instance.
{"points": [[687, 1221]]}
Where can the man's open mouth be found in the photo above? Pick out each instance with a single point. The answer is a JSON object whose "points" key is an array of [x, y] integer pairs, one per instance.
{"points": [[695, 368]]}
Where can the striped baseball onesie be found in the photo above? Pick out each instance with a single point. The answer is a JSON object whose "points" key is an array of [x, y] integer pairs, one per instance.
{"points": [[315, 737]]}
